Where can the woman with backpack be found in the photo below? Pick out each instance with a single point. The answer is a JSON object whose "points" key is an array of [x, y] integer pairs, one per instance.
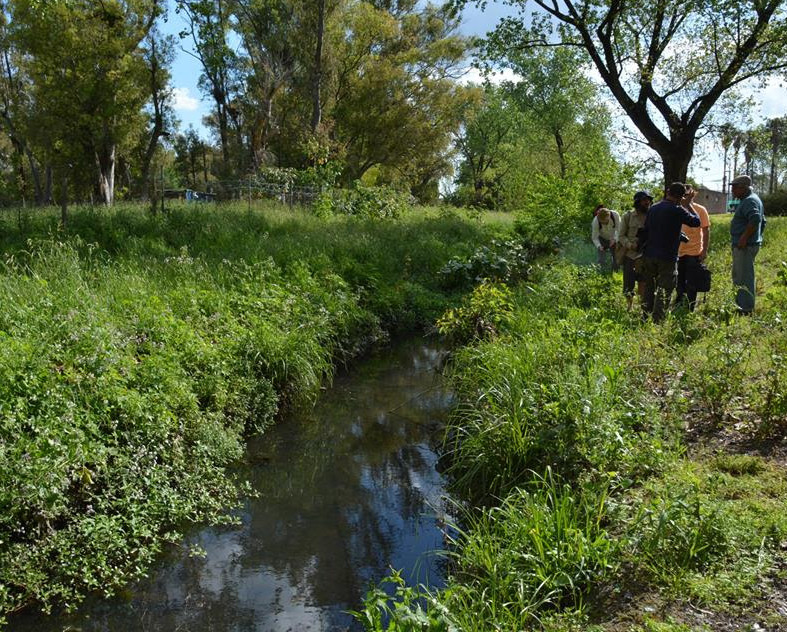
{"points": [[604, 234]]}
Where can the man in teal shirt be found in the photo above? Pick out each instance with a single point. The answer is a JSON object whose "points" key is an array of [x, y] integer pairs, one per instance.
{"points": [[746, 234]]}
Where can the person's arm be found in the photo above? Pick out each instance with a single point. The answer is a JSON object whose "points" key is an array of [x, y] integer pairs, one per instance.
{"points": [[705, 242], [690, 218], [594, 233], [616, 229], [752, 214], [748, 232], [623, 233]]}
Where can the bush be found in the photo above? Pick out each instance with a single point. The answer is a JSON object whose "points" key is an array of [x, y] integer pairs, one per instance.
{"points": [[775, 203], [363, 201]]}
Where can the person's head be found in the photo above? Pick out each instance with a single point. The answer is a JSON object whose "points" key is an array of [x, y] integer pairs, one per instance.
{"points": [[595, 210], [603, 215], [691, 192], [675, 192], [642, 201], [741, 187]]}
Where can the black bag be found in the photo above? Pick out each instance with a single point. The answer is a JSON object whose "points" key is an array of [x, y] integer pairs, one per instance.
{"points": [[699, 277]]}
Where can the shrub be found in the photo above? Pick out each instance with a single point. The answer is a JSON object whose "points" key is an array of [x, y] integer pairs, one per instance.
{"points": [[480, 316], [362, 201], [507, 261], [775, 203]]}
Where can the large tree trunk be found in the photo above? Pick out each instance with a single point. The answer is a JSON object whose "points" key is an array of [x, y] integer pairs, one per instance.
{"points": [[675, 159], [317, 75], [105, 159]]}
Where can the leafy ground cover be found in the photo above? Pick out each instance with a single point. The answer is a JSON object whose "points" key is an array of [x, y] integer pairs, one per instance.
{"points": [[619, 475], [138, 351]]}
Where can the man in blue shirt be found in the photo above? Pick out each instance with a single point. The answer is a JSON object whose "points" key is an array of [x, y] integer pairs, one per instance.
{"points": [[746, 234], [659, 261]]}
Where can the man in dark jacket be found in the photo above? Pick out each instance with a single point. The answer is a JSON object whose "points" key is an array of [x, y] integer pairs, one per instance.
{"points": [[658, 265]]}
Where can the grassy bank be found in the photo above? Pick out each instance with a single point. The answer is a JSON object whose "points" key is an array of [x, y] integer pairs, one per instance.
{"points": [[138, 351], [621, 475]]}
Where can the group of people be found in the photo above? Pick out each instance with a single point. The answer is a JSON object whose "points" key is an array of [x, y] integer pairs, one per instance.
{"points": [[662, 247]]}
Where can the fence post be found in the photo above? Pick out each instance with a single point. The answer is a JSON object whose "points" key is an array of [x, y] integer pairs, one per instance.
{"points": [[249, 194]]}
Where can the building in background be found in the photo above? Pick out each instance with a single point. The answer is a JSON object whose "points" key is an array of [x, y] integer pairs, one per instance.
{"points": [[714, 201]]}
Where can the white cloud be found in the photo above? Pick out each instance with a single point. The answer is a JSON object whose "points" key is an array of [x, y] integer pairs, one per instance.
{"points": [[182, 100], [473, 75], [773, 98]]}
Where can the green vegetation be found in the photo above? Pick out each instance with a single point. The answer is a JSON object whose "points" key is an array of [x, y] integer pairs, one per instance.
{"points": [[139, 350], [612, 464]]}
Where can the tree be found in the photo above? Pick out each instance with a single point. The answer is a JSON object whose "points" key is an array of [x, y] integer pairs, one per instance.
{"points": [[397, 102], [666, 62], [87, 79], [490, 130], [555, 93], [209, 27], [159, 54]]}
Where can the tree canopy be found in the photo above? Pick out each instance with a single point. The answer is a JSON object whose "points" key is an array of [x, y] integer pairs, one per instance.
{"points": [[667, 63]]}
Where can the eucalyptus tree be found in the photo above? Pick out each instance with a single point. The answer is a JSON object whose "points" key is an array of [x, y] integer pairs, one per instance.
{"points": [[87, 73], [159, 52], [210, 27], [15, 107], [666, 62], [395, 93]]}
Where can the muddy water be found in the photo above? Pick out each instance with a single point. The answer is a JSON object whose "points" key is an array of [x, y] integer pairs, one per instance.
{"points": [[345, 491]]}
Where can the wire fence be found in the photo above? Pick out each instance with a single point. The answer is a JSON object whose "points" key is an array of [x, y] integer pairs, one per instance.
{"points": [[238, 190], [244, 190]]}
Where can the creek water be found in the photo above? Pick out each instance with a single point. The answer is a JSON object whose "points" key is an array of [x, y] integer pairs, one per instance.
{"points": [[346, 490]]}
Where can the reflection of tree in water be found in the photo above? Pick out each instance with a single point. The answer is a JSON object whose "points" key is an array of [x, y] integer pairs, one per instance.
{"points": [[353, 483], [345, 490]]}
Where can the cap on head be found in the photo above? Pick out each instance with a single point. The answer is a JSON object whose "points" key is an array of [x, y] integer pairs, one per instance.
{"points": [[641, 195], [743, 181], [677, 189]]}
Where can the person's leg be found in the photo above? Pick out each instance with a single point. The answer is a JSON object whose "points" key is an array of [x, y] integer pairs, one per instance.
{"points": [[666, 280], [743, 277], [629, 278], [681, 285], [649, 273], [691, 289]]}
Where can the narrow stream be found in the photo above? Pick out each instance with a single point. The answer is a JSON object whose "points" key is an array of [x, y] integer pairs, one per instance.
{"points": [[346, 490]]}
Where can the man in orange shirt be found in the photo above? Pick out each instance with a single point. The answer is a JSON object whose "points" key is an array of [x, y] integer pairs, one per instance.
{"points": [[693, 252]]}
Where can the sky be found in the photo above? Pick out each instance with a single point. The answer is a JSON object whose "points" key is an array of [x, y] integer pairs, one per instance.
{"points": [[706, 167]]}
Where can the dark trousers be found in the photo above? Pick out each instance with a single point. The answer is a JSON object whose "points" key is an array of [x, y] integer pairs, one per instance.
{"points": [[686, 266], [660, 278]]}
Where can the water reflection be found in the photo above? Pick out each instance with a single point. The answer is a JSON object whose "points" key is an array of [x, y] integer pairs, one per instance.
{"points": [[345, 491]]}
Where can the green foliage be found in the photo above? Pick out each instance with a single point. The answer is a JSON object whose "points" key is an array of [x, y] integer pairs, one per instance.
{"points": [[481, 315], [679, 532], [543, 548], [407, 610], [583, 389], [775, 203], [507, 261], [363, 201]]}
